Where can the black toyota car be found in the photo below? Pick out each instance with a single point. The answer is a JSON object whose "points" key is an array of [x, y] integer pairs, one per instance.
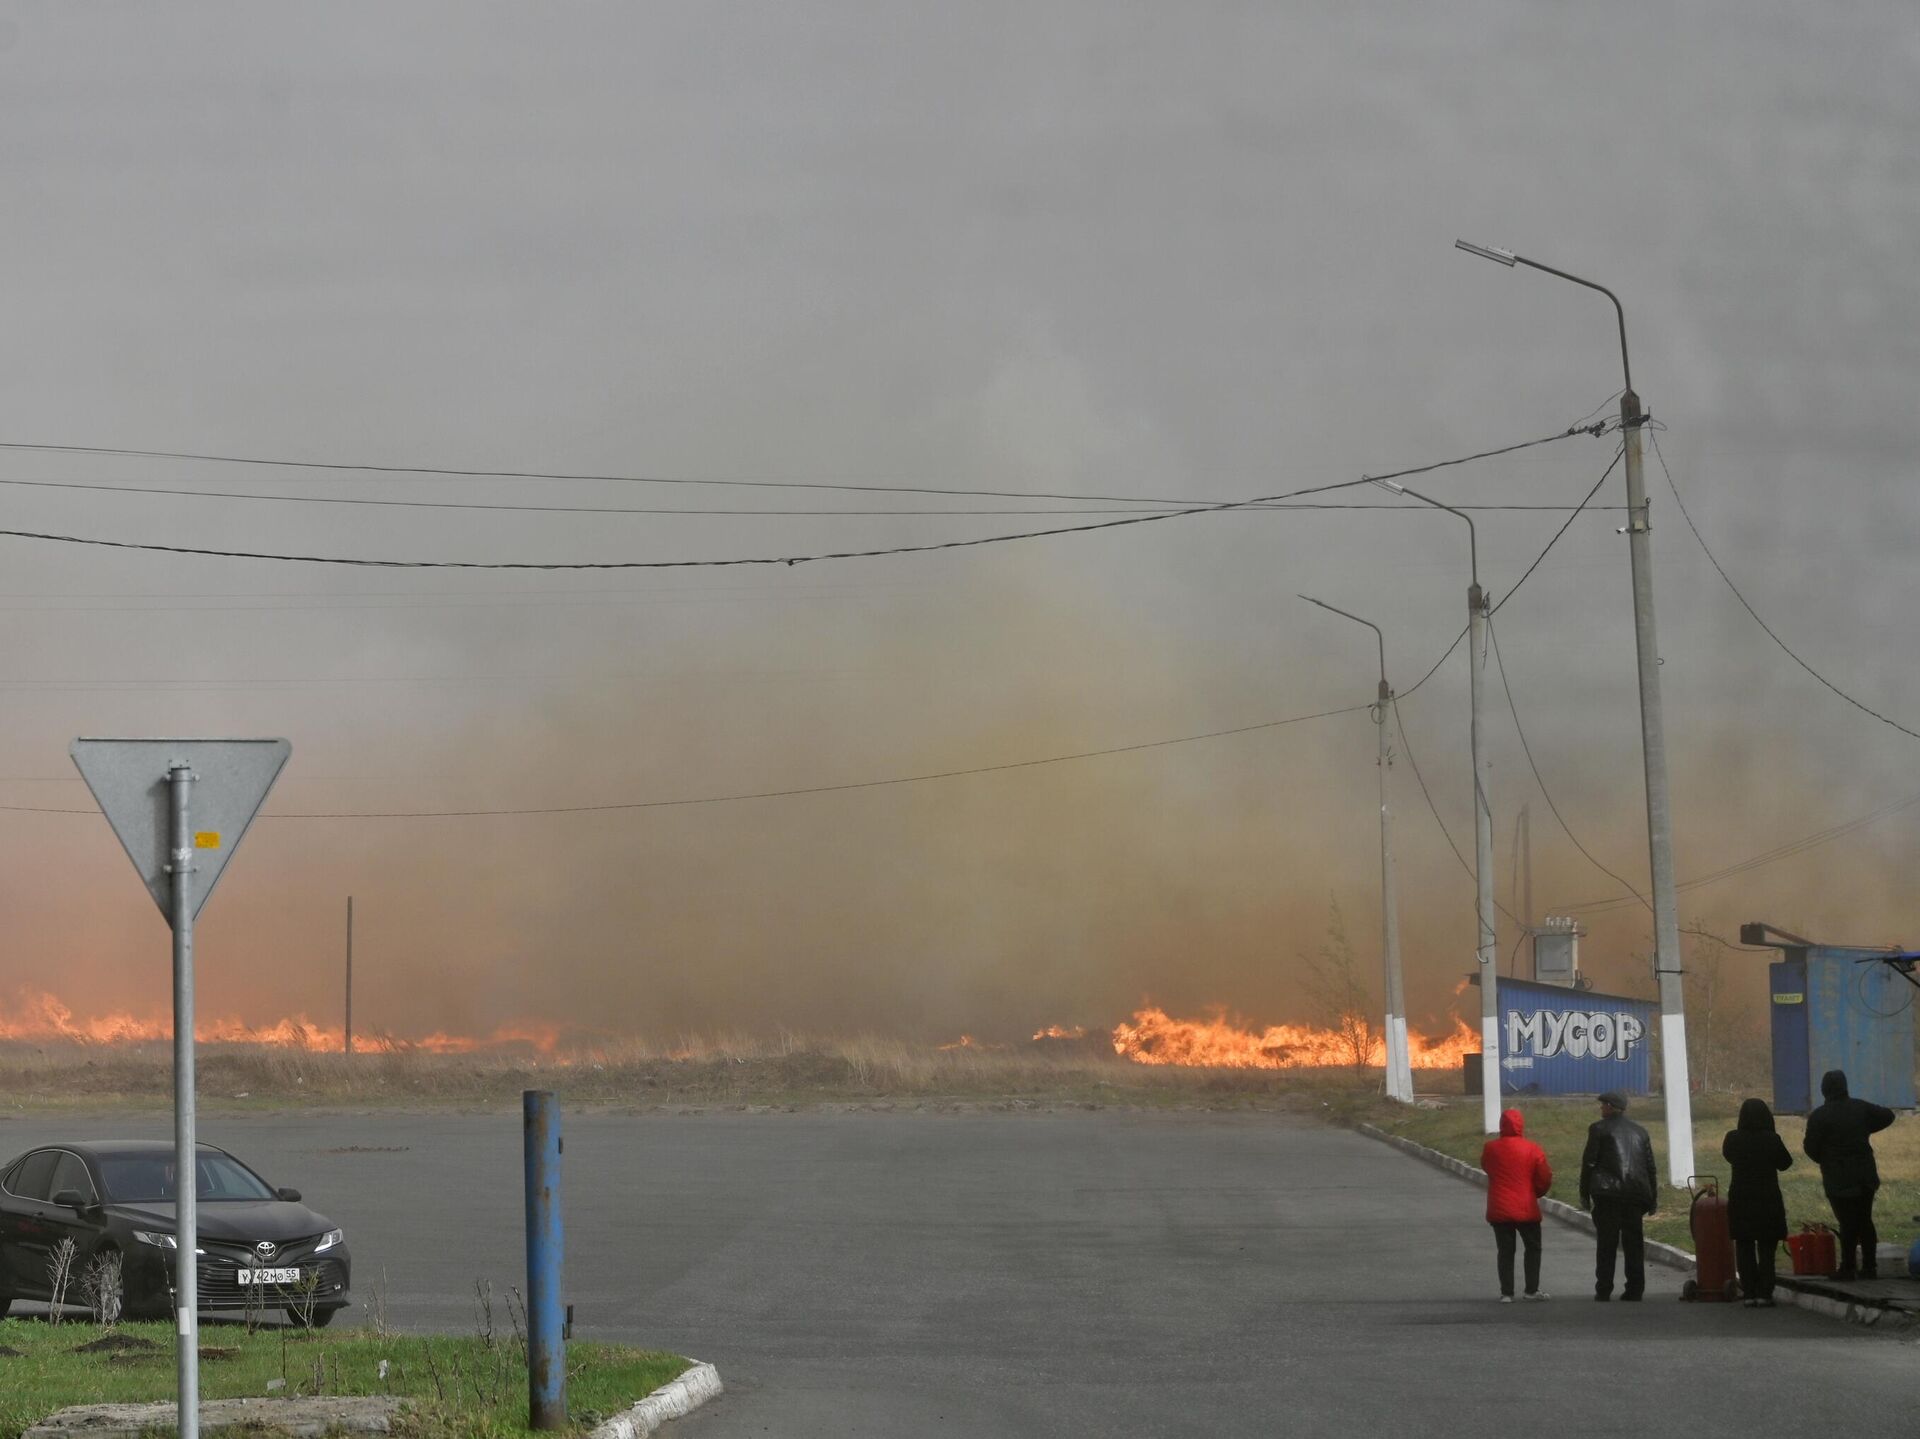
{"points": [[260, 1247]]}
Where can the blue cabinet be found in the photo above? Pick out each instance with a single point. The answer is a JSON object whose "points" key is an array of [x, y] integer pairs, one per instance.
{"points": [[1839, 1008]]}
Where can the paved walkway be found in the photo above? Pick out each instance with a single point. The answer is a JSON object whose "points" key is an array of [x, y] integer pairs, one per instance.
{"points": [[1060, 1274]]}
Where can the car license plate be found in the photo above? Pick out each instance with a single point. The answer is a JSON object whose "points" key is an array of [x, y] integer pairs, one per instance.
{"points": [[269, 1276]]}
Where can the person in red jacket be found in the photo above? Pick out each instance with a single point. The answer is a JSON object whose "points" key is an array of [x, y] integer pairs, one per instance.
{"points": [[1517, 1175]]}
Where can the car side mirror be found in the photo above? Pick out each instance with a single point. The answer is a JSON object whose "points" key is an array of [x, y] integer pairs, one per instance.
{"points": [[69, 1199], [292, 1196]]}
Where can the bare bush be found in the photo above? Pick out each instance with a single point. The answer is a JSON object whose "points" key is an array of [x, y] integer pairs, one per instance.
{"points": [[377, 1309], [60, 1276], [103, 1288], [303, 1299], [1344, 1001]]}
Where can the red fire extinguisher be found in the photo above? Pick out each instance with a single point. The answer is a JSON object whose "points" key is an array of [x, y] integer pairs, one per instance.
{"points": [[1707, 1221], [1813, 1250]]}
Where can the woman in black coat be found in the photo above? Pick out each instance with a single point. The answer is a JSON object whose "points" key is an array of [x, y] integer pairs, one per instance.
{"points": [[1755, 1211]]}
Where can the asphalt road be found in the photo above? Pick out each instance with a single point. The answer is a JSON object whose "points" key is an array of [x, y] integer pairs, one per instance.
{"points": [[1012, 1274]]}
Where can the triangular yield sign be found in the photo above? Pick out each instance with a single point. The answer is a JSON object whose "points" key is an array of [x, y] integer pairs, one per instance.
{"points": [[130, 780]]}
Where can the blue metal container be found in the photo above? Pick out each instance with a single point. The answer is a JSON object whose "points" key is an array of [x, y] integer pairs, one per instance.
{"points": [[1555, 1040], [1839, 1008]]}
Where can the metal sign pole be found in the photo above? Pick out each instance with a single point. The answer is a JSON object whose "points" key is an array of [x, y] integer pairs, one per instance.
{"points": [[186, 1265], [144, 788]]}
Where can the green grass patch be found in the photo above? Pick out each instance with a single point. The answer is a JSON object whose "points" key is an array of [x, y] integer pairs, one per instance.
{"points": [[468, 1385], [1560, 1127]]}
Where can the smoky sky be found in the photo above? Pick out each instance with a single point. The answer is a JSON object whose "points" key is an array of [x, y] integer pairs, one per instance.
{"points": [[1200, 252]]}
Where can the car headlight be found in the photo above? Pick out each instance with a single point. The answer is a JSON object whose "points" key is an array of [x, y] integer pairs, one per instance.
{"points": [[329, 1239], [158, 1241]]}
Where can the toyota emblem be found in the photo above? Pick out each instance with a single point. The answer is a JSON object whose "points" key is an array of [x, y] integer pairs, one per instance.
{"points": [[266, 1249]]}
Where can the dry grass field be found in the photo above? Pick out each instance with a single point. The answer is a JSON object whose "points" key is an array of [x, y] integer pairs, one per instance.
{"points": [[696, 1072]]}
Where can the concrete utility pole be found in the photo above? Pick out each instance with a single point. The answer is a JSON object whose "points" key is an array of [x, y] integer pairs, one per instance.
{"points": [[1653, 748], [1399, 1076], [349, 1025], [1523, 844], [1487, 950]]}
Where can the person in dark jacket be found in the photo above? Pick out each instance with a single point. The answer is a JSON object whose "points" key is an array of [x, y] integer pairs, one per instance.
{"points": [[1517, 1175], [1755, 1211], [1620, 1183], [1837, 1141]]}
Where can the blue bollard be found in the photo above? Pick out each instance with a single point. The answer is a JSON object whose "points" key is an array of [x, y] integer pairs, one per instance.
{"points": [[546, 1247]]}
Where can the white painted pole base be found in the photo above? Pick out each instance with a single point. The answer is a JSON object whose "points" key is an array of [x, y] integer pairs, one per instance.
{"points": [[1490, 1069], [1399, 1070], [1679, 1096]]}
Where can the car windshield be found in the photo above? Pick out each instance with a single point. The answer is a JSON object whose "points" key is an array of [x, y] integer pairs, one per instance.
{"points": [[148, 1178]]}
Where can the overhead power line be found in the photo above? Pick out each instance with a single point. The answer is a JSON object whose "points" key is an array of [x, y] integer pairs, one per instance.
{"points": [[770, 793], [1406, 746], [1583, 507], [1581, 426], [789, 560], [895, 780], [1158, 505], [1765, 857], [1540, 780], [1772, 634]]}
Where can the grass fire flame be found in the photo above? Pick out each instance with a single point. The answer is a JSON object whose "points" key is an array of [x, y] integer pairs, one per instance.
{"points": [[1152, 1036]]}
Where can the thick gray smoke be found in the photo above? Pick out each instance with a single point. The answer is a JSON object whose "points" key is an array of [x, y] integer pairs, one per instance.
{"points": [[1079, 251]]}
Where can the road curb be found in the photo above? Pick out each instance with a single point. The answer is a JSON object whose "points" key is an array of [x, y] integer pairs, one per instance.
{"points": [[1670, 1255], [670, 1401], [1667, 1254]]}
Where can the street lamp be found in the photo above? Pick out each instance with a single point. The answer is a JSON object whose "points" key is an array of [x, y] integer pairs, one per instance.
{"points": [[1653, 748], [1482, 825], [1399, 1069]]}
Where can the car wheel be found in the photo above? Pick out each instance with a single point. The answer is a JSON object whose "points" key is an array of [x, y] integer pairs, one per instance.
{"points": [[318, 1319]]}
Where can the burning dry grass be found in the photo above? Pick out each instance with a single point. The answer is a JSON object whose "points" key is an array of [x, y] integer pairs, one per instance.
{"points": [[51, 1054], [701, 1071]]}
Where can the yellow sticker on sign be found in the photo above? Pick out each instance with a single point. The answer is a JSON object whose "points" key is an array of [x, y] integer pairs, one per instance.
{"points": [[1789, 999], [206, 839]]}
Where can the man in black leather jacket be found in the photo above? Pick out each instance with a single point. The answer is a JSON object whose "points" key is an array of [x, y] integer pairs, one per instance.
{"points": [[1620, 1183]]}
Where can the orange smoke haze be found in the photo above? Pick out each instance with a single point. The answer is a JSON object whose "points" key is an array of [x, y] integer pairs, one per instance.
{"points": [[1155, 1037]]}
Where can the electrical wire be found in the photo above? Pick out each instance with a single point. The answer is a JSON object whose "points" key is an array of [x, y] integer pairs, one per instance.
{"points": [[944, 774], [1546, 793], [771, 793], [450, 472], [1599, 407], [1406, 746], [788, 560], [1787, 850], [1159, 505], [1156, 504], [1578, 510], [1772, 634], [1585, 505]]}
